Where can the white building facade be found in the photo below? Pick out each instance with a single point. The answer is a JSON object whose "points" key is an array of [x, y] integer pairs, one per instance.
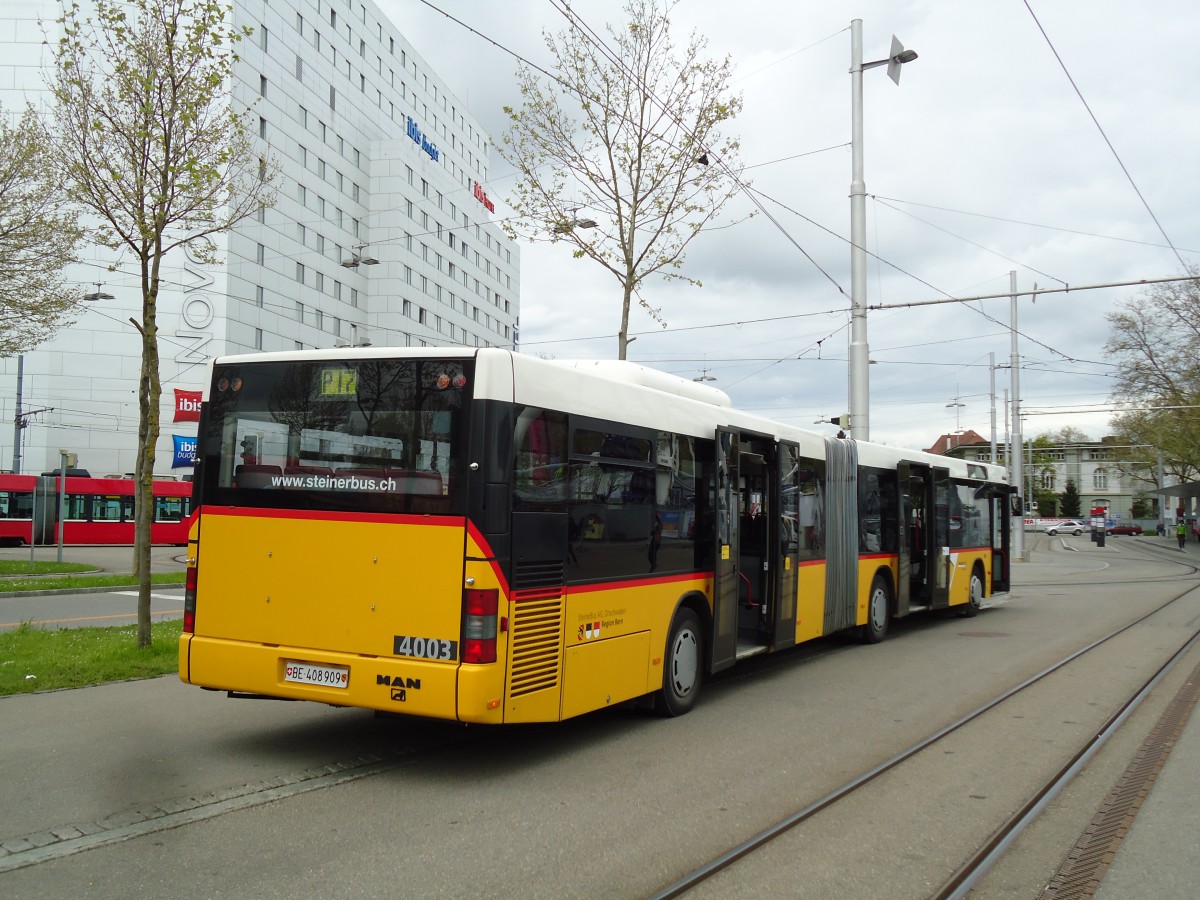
{"points": [[382, 234]]}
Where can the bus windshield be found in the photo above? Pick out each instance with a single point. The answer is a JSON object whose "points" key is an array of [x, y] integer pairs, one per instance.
{"points": [[375, 435]]}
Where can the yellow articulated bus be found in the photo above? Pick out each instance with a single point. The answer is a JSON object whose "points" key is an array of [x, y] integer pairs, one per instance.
{"points": [[482, 536]]}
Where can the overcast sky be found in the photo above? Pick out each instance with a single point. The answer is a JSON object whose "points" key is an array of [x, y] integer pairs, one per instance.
{"points": [[983, 161]]}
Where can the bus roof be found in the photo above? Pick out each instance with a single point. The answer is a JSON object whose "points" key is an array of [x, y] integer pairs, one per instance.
{"points": [[620, 391]]}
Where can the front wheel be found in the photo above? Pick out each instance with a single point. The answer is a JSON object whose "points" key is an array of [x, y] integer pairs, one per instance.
{"points": [[683, 665], [975, 600], [878, 611]]}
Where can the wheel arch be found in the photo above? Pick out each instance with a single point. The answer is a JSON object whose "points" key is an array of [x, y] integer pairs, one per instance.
{"points": [[700, 605]]}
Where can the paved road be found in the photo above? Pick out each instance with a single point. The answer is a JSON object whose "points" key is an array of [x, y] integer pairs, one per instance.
{"points": [[250, 798], [92, 608]]}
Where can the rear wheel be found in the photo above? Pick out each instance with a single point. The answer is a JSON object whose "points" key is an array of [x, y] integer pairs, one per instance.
{"points": [[878, 611], [975, 600], [683, 665]]}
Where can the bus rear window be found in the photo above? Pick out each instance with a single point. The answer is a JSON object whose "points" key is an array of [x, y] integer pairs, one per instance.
{"points": [[381, 435]]}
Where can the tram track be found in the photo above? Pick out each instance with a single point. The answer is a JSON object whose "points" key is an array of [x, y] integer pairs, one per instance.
{"points": [[972, 869]]}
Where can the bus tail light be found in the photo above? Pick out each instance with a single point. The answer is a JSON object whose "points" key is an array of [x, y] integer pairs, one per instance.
{"points": [[479, 625], [189, 600]]}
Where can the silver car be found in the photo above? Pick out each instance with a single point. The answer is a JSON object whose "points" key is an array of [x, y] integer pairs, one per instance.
{"points": [[1068, 526]]}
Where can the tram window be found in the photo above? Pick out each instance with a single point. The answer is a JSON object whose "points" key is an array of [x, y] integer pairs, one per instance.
{"points": [[106, 509], [168, 509]]}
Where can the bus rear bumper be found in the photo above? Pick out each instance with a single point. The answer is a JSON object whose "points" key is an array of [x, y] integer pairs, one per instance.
{"points": [[394, 685]]}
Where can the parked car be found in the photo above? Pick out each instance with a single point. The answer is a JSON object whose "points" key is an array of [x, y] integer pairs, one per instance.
{"points": [[1124, 529], [1068, 526]]}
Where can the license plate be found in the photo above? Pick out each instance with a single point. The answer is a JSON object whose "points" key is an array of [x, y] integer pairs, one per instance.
{"points": [[311, 673]]}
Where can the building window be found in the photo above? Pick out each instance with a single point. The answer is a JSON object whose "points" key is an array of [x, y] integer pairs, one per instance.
{"points": [[354, 297], [299, 311], [299, 66], [300, 272], [261, 254], [258, 296], [1100, 480], [262, 127], [262, 85], [258, 340], [332, 97]]}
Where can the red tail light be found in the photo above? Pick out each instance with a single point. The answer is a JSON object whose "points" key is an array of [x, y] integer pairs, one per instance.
{"points": [[189, 600], [480, 609]]}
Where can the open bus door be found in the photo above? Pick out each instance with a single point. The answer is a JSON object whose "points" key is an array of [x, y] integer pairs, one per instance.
{"points": [[1000, 500], [938, 552], [923, 580], [787, 520], [725, 536]]}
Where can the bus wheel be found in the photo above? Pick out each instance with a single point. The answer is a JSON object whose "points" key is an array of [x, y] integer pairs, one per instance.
{"points": [[878, 609], [975, 600], [683, 665]]}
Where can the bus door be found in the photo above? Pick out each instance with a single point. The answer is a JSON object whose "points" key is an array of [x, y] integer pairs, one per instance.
{"points": [[918, 549], [938, 553], [725, 589], [1000, 501], [787, 522]]}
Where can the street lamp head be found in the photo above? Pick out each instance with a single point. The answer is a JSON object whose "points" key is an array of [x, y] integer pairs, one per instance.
{"points": [[566, 226], [97, 294], [357, 259]]}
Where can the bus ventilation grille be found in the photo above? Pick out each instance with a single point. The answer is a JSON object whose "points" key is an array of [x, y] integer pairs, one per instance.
{"points": [[537, 628], [539, 574]]}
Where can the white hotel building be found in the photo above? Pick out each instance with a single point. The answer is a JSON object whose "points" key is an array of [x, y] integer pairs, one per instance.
{"points": [[379, 162]]}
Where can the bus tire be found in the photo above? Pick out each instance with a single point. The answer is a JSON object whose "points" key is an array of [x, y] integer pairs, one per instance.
{"points": [[683, 665], [879, 610], [975, 595]]}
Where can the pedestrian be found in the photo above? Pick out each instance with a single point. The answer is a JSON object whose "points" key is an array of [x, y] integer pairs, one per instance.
{"points": [[1181, 533]]}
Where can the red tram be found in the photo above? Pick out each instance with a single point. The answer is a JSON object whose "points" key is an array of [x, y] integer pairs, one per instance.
{"points": [[95, 510]]}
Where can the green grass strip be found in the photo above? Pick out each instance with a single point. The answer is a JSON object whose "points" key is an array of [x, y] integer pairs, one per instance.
{"points": [[76, 582], [38, 659]]}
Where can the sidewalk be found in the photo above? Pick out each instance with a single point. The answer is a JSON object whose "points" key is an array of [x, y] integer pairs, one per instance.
{"points": [[1157, 857]]}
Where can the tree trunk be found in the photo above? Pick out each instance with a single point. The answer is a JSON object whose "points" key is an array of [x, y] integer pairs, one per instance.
{"points": [[149, 391], [623, 337]]}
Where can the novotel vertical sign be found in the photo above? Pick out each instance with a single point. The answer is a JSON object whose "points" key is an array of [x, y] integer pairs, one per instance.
{"points": [[423, 142]]}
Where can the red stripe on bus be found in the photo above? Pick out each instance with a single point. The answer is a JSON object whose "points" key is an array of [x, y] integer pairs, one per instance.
{"points": [[489, 555], [332, 516]]}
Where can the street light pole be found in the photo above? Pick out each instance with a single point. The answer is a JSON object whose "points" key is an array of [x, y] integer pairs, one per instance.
{"points": [[859, 355], [17, 423], [860, 421]]}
